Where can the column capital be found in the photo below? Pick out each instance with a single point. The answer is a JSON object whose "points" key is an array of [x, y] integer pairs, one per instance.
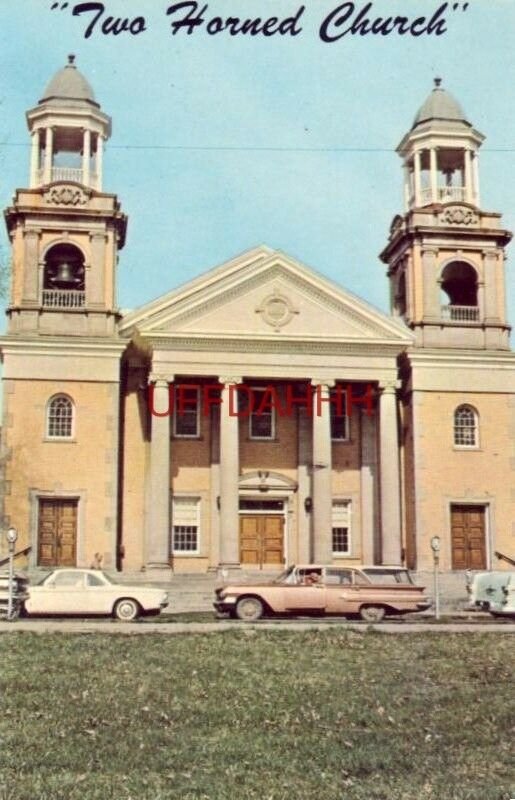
{"points": [[225, 379], [389, 387], [328, 383], [159, 379]]}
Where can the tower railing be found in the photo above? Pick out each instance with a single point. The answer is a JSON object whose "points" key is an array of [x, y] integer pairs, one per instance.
{"points": [[452, 313], [63, 298], [444, 194], [75, 174]]}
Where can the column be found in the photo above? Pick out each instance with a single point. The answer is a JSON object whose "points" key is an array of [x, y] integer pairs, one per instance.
{"points": [[31, 267], [322, 474], [433, 168], [490, 308], [407, 188], [34, 159], [214, 490], [86, 156], [389, 476], [432, 310], [475, 173], [368, 488], [468, 177], [158, 512], [99, 161], [229, 474], [417, 160], [49, 145], [304, 459], [96, 274]]}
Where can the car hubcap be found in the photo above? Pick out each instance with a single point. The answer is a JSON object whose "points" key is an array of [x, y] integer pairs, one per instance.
{"points": [[126, 610]]}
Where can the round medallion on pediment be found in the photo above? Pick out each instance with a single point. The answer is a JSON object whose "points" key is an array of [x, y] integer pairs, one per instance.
{"points": [[276, 310]]}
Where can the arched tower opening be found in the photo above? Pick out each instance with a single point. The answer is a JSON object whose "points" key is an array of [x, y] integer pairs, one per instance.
{"points": [[64, 277]]}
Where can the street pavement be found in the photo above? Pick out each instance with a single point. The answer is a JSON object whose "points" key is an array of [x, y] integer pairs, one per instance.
{"points": [[218, 626]]}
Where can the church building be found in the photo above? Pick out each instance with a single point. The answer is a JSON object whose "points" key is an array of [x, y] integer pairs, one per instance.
{"points": [[259, 415]]}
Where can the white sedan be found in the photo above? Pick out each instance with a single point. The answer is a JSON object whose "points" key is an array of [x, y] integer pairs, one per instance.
{"points": [[90, 591]]}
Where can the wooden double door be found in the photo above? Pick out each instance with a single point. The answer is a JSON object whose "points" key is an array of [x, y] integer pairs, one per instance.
{"points": [[468, 536], [57, 533], [262, 539]]}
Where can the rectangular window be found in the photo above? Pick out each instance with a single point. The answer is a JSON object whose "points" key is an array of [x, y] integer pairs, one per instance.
{"points": [[185, 525], [339, 419], [262, 415], [341, 527], [186, 412]]}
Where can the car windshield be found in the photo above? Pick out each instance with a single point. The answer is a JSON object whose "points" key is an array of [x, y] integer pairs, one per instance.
{"points": [[284, 576]]}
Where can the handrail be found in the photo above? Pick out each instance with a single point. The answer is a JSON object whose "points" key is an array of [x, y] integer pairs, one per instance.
{"points": [[23, 552]]}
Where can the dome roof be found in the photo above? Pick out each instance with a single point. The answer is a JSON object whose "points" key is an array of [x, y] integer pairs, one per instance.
{"points": [[69, 85], [440, 105]]}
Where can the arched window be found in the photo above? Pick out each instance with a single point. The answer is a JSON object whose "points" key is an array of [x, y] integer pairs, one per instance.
{"points": [[59, 417], [466, 432]]}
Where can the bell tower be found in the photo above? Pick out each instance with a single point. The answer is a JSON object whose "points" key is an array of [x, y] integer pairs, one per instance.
{"points": [[445, 254], [65, 231]]}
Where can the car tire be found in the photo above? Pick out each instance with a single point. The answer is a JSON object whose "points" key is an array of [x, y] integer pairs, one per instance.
{"points": [[126, 610], [372, 613], [249, 609]]}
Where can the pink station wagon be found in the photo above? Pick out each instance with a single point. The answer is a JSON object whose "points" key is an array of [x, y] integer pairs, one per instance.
{"points": [[367, 592]]}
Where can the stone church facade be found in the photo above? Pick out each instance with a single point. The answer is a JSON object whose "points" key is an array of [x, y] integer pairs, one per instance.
{"points": [[260, 414]]}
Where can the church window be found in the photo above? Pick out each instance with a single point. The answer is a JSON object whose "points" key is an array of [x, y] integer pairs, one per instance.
{"points": [[187, 412], [466, 432], [60, 417], [341, 527], [185, 536], [262, 415], [339, 419]]}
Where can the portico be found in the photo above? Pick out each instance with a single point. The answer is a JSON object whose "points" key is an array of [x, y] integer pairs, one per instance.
{"points": [[233, 409]]}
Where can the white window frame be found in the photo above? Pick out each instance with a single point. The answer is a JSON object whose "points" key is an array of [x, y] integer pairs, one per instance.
{"points": [[457, 430], [57, 437], [176, 415], [194, 499], [348, 503], [254, 438]]}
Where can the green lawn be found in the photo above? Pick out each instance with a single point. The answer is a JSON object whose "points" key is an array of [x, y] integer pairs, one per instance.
{"points": [[257, 715]]}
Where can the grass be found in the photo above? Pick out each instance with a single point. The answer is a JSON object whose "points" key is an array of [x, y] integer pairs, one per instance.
{"points": [[257, 715]]}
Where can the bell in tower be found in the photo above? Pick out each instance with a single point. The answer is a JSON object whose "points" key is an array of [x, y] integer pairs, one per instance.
{"points": [[445, 255], [65, 230]]}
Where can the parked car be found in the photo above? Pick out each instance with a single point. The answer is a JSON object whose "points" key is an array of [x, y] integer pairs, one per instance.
{"points": [[20, 593], [370, 592], [485, 589], [503, 604], [91, 591]]}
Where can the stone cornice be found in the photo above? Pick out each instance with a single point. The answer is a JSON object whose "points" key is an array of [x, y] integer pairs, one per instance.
{"points": [[68, 347], [462, 359], [276, 345]]}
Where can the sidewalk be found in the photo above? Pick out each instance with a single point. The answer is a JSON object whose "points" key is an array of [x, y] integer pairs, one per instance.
{"points": [[172, 628]]}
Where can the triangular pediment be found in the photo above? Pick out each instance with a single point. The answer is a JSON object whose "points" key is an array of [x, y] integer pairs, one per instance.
{"points": [[267, 295]]}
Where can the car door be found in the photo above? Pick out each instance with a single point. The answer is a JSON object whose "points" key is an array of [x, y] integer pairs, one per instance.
{"points": [[342, 591], [100, 594], [62, 593], [308, 594]]}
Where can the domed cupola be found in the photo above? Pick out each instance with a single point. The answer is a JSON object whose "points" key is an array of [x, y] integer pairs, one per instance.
{"points": [[440, 106], [69, 86], [68, 130], [440, 154]]}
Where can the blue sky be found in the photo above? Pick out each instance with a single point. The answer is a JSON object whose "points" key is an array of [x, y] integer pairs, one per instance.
{"points": [[221, 143]]}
